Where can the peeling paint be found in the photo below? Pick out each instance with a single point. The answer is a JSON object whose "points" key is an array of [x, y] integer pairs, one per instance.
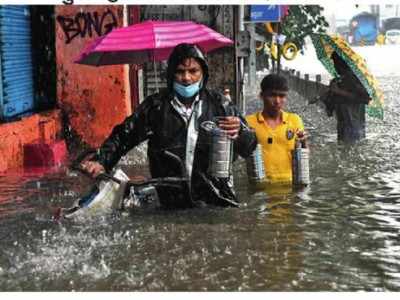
{"points": [[85, 92]]}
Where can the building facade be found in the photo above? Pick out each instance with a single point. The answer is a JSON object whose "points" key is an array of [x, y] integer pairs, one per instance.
{"points": [[56, 99]]}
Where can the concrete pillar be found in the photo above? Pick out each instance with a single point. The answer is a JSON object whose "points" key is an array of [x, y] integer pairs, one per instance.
{"points": [[240, 101], [251, 61], [307, 87]]}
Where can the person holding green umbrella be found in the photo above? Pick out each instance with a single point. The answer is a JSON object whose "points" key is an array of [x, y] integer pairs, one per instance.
{"points": [[353, 92], [348, 99]]}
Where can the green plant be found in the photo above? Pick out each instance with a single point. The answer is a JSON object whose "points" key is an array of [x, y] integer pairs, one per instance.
{"points": [[301, 21]]}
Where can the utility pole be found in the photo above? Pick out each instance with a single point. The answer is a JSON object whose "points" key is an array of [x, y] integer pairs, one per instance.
{"points": [[251, 61], [279, 47], [240, 88]]}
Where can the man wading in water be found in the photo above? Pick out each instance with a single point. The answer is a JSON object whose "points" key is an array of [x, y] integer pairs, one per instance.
{"points": [[170, 121]]}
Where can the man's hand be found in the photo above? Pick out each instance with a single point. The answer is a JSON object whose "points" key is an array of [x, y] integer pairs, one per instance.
{"points": [[231, 125], [333, 84], [334, 88], [93, 168]]}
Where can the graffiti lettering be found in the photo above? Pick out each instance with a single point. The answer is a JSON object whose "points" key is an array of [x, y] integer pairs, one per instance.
{"points": [[83, 24]]}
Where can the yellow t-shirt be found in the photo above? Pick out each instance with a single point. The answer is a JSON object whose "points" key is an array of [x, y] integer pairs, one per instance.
{"points": [[277, 144]]}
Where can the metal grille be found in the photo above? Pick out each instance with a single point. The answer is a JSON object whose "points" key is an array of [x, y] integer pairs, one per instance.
{"points": [[16, 84], [155, 76]]}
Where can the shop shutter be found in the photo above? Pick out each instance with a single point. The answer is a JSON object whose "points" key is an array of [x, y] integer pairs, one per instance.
{"points": [[16, 84]]}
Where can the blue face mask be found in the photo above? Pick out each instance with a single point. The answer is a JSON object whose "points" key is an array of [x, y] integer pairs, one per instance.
{"points": [[187, 91]]}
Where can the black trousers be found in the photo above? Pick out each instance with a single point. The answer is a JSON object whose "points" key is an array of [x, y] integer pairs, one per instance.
{"points": [[350, 121]]}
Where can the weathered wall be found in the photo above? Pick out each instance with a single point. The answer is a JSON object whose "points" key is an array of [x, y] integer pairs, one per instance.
{"points": [[221, 61], [305, 87], [93, 99]]}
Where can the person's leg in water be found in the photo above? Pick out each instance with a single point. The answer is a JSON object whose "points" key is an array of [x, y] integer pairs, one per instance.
{"points": [[350, 122]]}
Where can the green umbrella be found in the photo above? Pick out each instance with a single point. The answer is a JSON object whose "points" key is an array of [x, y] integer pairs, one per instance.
{"points": [[325, 45]]}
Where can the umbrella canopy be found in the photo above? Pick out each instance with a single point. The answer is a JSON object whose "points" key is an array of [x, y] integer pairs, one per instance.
{"points": [[149, 41], [325, 45]]}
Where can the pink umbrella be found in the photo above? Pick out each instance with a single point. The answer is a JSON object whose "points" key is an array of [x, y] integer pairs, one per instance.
{"points": [[149, 41]]}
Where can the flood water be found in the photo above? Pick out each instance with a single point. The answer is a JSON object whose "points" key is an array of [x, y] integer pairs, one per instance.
{"points": [[340, 234]]}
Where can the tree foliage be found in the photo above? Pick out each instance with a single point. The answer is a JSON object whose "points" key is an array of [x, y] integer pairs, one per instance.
{"points": [[301, 21]]}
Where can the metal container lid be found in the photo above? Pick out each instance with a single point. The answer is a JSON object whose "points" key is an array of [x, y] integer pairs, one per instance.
{"points": [[209, 126], [212, 128]]}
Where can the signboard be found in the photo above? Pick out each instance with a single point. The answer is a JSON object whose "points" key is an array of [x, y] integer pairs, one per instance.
{"points": [[265, 13]]}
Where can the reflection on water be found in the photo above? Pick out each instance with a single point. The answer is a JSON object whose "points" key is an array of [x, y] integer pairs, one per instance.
{"points": [[341, 233]]}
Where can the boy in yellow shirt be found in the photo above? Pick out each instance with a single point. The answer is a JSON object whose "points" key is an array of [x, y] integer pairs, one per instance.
{"points": [[276, 129]]}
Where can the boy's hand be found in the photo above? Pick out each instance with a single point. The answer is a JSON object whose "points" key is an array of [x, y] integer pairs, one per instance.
{"points": [[302, 136]]}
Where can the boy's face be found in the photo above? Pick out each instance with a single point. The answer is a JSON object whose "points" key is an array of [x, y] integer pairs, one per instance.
{"points": [[274, 100]]}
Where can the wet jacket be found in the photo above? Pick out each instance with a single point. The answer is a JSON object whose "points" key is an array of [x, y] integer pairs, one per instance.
{"points": [[157, 121]]}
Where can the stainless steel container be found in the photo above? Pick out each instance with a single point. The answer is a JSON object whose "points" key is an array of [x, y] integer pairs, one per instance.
{"points": [[300, 167], [220, 155], [255, 166]]}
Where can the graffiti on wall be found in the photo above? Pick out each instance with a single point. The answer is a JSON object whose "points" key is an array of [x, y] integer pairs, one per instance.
{"points": [[84, 24]]}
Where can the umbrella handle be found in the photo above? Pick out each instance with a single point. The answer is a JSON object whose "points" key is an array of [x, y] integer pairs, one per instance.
{"points": [[155, 74]]}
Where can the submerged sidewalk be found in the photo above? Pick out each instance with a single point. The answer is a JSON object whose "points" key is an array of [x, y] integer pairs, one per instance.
{"points": [[45, 127]]}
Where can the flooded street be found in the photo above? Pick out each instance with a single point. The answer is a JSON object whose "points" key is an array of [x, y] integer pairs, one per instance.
{"points": [[340, 234]]}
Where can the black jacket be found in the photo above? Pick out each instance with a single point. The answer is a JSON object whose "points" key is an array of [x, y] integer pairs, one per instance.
{"points": [[157, 121]]}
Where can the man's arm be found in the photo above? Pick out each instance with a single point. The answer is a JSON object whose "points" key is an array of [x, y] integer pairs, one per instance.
{"points": [[131, 132], [246, 141], [357, 94]]}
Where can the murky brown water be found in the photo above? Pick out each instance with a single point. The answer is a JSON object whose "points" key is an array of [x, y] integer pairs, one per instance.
{"points": [[341, 234]]}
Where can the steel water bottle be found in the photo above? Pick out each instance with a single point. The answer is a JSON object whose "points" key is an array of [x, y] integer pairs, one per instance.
{"points": [[255, 166], [300, 164], [220, 154]]}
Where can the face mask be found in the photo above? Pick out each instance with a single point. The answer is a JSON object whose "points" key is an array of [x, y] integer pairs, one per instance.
{"points": [[187, 91]]}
